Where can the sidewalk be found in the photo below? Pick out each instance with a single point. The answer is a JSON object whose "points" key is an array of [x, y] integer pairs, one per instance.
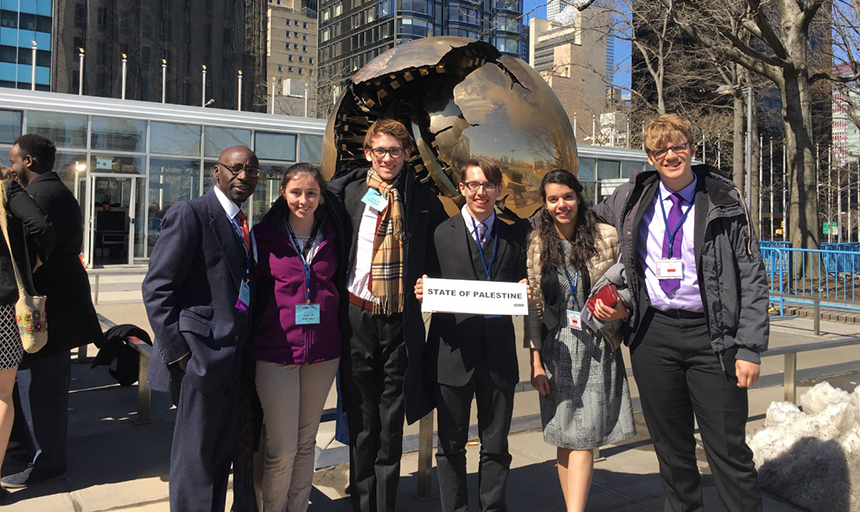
{"points": [[115, 464]]}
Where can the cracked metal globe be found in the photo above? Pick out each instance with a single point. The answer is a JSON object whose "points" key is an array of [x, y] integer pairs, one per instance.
{"points": [[460, 98]]}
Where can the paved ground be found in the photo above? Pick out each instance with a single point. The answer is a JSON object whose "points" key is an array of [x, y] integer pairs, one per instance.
{"points": [[115, 464]]}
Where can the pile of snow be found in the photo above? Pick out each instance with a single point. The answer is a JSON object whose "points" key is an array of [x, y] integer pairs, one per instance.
{"points": [[811, 457]]}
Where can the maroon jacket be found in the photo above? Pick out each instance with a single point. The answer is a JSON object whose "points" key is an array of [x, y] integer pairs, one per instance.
{"points": [[281, 286]]}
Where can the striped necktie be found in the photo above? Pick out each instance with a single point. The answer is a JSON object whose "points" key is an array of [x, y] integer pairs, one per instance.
{"points": [[246, 233]]}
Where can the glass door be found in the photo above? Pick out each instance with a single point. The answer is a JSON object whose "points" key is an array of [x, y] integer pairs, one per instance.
{"points": [[113, 213]]}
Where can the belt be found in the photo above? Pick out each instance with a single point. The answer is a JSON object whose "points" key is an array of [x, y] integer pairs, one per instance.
{"points": [[680, 313], [366, 305]]}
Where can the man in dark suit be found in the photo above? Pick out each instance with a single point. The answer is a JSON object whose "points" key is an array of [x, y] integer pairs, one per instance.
{"points": [[393, 218], [197, 295], [43, 377], [477, 355]]}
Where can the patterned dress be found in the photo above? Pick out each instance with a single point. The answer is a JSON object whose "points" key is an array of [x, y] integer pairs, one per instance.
{"points": [[11, 350], [589, 404]]}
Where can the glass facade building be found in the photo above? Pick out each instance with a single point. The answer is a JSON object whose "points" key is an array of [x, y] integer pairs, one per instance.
{"points": [[127, 162], [23, 23], [354, 33]]}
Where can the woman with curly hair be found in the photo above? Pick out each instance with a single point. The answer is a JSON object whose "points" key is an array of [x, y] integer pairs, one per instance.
{"points": [[584, 396]]}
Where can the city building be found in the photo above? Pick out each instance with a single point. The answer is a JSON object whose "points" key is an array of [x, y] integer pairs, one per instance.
{"points": [[128, 161], [353, 34], [572, 54], [291, 55], [25, 25], [167, 45], [845, 133]]}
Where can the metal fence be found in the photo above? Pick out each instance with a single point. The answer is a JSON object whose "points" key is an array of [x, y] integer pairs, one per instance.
{"points": [[801, 275]]}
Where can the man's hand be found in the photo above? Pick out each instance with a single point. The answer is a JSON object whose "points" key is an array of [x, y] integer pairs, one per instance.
{"points": [[419, 288], [606, 314], [183, 363], [747, 373], [525, 281]]}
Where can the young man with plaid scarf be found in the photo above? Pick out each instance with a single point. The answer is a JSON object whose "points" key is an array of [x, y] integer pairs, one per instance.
{"points": [[393, 220]]}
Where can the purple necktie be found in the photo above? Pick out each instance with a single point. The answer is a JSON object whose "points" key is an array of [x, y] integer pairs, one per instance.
{"points": [[482, 230], [675, 214]]}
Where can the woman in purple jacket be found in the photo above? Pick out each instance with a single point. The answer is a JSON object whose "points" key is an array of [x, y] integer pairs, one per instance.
{"points": [[297, 346]]}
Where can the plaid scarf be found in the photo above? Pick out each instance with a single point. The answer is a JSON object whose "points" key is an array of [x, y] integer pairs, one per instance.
{"points": [[388, 263]]}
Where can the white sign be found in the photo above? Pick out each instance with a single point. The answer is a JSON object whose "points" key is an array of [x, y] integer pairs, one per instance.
{"points": [[474, 297]]}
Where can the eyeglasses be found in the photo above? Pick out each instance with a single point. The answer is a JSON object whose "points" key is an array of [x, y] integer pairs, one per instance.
{"points": [[394, 152], [251, 172], [473, 186], [677, 149]]}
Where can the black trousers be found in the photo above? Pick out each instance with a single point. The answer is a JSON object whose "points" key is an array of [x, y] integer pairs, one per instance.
{"points": [[495, 401], [43, 388], [372, 382], [204, 443], [681, 377]]}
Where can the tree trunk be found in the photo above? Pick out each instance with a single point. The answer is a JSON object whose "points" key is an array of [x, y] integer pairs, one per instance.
{"points": [[738, 143], [755, 158], [802, 222]]}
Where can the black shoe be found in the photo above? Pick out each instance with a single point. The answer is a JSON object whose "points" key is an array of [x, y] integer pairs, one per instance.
{"points": [[32, 476], [4, 494]]}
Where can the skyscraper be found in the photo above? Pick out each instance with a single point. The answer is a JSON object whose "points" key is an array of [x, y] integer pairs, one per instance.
{"points": [[23, 25], [171, 39], [291, 52], [353, 34]]}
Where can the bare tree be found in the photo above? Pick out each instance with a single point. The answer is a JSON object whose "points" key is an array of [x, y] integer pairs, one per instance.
{"points": [[773, 39]]}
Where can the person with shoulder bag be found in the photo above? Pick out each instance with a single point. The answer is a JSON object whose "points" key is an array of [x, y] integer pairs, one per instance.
{"points": [[18, 212]]}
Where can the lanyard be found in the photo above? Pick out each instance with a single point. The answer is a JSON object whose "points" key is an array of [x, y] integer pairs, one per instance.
{"points": [[671, 233], [573, 284], [305, 265], [487, 268]]}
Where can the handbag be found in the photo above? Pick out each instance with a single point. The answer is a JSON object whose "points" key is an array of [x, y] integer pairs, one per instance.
{"points": [[30, 308]]}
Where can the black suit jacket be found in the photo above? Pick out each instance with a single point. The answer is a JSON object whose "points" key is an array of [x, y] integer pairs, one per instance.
{"points": [[190, 292], [464, 342], [72, 319]]}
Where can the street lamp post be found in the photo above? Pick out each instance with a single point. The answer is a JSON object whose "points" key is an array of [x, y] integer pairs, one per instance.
{"points": [[164, 80], [81, 72], [203, 87], [274, 84], [33, 77], [124, 73], [240, 91]]}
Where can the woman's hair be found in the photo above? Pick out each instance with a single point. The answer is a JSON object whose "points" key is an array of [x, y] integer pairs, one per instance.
{"points": [[279, 207], [583, 244], [303, 168]]}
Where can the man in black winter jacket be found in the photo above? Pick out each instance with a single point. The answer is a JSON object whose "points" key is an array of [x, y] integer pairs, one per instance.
{"points": [[43, 378], [700, 323]]}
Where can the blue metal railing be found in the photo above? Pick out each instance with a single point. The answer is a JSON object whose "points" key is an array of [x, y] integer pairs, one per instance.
{"points": [[800, 275]]}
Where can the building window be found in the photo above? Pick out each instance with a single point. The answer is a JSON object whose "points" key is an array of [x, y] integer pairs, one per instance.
{"points": [[300, 71], [289, 58], [280, 66], [287, 34], [304, 24], [310, 60], [289, 69], [304, 37], [301, 59], [304, 47]]}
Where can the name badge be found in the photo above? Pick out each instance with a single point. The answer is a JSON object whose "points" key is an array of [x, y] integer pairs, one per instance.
{"points": [[374, 199], [670, 269], [307, 314], [244, 297], [574, 320]]}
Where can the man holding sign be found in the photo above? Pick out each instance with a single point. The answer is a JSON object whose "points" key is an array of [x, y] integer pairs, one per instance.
{"points": [[476, 355]]}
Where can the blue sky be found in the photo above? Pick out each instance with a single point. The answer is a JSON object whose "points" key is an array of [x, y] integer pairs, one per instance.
{"points": [[622, 48]]}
